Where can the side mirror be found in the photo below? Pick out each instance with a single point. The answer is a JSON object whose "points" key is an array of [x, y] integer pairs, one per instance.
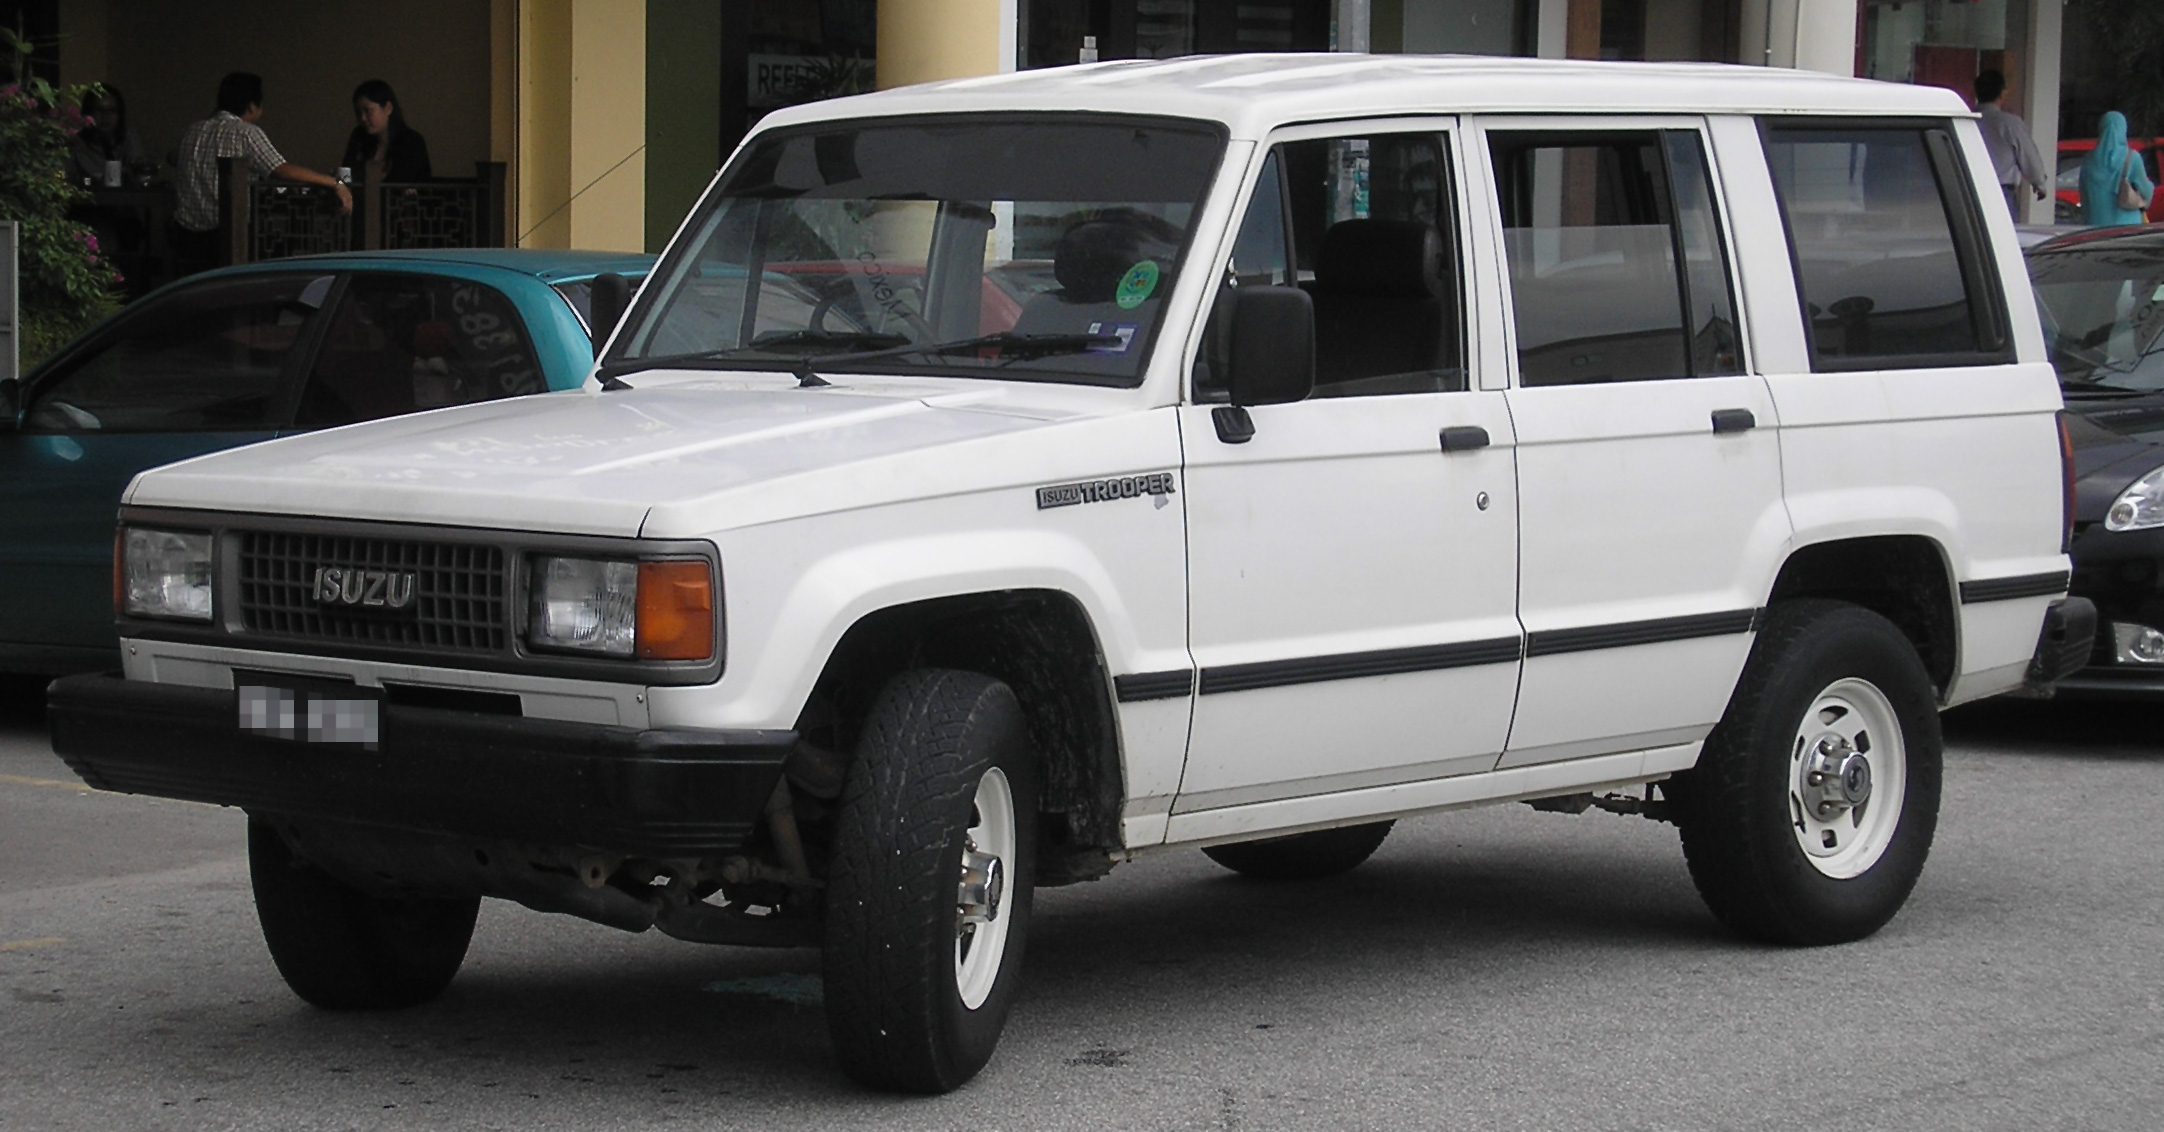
{"points": [[608, 296], [1273, 346]]}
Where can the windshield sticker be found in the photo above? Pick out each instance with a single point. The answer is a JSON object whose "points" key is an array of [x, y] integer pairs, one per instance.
{"points": [[1124, 331], [1136, 285], [1158, 484]]}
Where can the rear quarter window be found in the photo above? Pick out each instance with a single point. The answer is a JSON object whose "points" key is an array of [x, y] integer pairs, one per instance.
{"points": [[1887, 245]]}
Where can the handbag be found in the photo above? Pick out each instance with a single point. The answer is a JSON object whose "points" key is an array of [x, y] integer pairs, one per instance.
{"points": [[2129, 197]]}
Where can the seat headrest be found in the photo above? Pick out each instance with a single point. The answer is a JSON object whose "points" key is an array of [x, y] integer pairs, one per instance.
{"points": [[1093, 256], [1380, 257]]}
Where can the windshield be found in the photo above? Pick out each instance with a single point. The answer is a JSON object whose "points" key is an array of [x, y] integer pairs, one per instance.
{"points": [[984, 246], [2103, 312]]}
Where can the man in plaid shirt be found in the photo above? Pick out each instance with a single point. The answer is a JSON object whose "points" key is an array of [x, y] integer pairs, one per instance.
{"points": [[231, 132]]}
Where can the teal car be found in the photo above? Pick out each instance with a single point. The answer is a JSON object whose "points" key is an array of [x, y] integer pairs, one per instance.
{"points": [[243, 354]]}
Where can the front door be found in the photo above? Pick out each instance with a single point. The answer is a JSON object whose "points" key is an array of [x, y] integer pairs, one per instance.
{"points": [[1352, 566], [208, 367]]}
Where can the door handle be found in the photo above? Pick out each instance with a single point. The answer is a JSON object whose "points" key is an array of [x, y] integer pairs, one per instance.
{"points": [[1464, 438], [1733, 420]]}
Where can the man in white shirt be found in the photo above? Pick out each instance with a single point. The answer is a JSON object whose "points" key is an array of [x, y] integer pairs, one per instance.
{"points": [[2012, 149], [231, 132]]}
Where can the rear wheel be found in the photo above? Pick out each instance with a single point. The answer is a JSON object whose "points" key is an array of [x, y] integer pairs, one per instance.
{"points": [[1813, 806], [343, 949], [1302, 856], [928, 894]]}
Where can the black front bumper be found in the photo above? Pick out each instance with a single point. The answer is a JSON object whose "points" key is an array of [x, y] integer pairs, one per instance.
{"points": [[648, 793]]}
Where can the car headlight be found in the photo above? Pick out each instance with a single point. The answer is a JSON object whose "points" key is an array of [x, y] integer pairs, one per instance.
{"points": [[659, 610], [164, 574], [2140, 506]]}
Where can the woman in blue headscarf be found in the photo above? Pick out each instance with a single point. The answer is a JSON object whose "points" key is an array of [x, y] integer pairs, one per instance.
{"points": [[2107, 166]]}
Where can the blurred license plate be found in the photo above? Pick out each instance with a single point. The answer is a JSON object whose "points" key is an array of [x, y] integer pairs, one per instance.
{"points": [[309, 711]]}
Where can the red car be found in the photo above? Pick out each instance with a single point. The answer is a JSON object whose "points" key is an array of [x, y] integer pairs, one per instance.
{"points": [[2073, 151]]}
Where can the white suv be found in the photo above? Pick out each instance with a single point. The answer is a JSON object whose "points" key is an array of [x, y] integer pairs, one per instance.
{"points": [[1004, 478]]}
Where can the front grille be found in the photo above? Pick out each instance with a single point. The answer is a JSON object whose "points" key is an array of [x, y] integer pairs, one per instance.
{"points": [[459, 591]]}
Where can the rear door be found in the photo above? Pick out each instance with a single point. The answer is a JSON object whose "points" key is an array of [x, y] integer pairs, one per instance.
{"points": [[1648, 458]]}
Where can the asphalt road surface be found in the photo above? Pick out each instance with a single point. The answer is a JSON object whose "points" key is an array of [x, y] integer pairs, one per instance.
{"points": [[1490, 969]]}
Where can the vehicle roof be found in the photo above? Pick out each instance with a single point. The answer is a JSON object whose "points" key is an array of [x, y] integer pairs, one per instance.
{"points": [[549, 265], [1251, 94], [2143, 237]]}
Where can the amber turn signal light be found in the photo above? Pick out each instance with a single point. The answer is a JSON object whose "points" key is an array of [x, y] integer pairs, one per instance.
{"points": [[676, 611]]}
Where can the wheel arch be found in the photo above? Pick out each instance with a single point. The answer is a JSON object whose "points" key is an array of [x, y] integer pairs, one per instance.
{"points": [[1039, 642], [1907, 579]]}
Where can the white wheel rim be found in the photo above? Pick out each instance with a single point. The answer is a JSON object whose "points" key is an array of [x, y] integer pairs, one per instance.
{"points": [[1850, 720], [979, 947]]}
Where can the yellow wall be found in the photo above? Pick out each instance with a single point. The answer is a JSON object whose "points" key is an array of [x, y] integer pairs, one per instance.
{"points": [[581, 169], [924, 40]]}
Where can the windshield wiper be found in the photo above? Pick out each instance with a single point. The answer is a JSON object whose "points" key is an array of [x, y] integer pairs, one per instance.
{"points": [[1012, 347], [776, 344]]}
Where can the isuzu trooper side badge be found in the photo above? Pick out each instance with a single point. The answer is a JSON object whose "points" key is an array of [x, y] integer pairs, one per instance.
{"points": [[1098, 491]]}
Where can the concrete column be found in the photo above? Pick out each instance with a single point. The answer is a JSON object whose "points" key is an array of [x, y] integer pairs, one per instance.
{"points": [[923, 41], [2044, 43], [581, 138], [1551, 30], [540, 216], [1354, 26], [1809, 35], [1825, 36]]}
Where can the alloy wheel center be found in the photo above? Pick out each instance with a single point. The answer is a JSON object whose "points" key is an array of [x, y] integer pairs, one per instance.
{"points": [[984, 881], [1836, 777]]}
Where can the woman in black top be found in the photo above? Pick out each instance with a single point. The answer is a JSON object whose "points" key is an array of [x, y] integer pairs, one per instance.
{"points": [[107, 138], [382, 147]]}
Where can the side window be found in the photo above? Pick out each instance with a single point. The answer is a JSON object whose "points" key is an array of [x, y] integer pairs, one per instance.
{"points": [[1373, 241], [212, 358], [1615, 257], [1375, 244], [402, 343], [1887, 253]]}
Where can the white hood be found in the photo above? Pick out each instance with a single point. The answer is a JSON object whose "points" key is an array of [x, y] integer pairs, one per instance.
{"points": [[587, 462]]}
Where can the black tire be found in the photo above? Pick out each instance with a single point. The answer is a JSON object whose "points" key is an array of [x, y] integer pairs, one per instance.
{"points": [[1302, 856], [1741, 808], [894, 1000], [343, 949]]}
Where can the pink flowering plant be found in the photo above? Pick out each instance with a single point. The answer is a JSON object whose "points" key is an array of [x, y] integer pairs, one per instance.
{"points": [[65, 280]]}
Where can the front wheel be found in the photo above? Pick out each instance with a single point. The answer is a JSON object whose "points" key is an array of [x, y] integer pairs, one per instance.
{"points": [[343, 949], [928, 893], [1812, 808]]}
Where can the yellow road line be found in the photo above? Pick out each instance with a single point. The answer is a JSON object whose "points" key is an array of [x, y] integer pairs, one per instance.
{"points": [[18, 780], [29, 944]]}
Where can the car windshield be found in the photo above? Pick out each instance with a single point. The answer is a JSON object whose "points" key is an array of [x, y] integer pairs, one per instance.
{"points": [[2103, 312], [987, 246]]}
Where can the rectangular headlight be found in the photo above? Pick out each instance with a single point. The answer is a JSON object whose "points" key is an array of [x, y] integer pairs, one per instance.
{"points": [[584, 605], [652, 610], [165, 574]]}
